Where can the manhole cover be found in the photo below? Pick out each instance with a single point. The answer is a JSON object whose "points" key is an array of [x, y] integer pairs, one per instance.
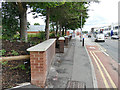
{"points": [[75, 84]]}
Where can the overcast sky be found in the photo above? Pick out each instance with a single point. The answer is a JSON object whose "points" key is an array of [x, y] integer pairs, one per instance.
{"points": [[100, 14]]}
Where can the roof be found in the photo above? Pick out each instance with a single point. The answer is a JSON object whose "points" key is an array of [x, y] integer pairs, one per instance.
{"points": [[36, 28]]}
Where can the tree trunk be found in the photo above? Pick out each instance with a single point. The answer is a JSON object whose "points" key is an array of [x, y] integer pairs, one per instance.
{"points": [[56, 29], [53, 26], [63, 31], [23, 27], [23, 21], [47, 24], [60, 31]]}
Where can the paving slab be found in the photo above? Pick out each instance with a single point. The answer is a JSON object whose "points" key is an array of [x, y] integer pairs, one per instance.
{"points": [[82, 68]]}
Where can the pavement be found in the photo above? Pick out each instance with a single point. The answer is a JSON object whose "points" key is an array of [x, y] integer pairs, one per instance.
{"points": [[82, 68], [74, 64]]}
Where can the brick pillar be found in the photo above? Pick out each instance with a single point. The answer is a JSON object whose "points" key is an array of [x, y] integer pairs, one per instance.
{"points": [[66, 40], [41, 56], [61, 44], [38, 68]]}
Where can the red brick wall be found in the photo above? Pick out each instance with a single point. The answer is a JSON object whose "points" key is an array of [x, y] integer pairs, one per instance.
{"points": [[33, 31], [61, 46], [40, 64], [38, 68], [66, 40], [50, 55]]}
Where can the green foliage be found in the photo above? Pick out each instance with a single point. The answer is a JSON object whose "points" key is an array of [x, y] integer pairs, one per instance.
{"points": [[58, 35], [32, 35], [10, 20], [22, 66], [2, 52], [16, 36], [3, 62], [36, 24], [42, 35], [69, 14], [14, 52], [85, 32], [0, 37], [52, 35]]}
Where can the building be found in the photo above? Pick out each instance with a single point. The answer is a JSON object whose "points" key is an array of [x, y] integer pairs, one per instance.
{"points": [[114, 27], [36, 28]]}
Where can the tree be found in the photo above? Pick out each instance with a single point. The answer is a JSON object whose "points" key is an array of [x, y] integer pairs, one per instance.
{"points": [[36, 24], [44, 9], [10, 20], [69, 15], [14, 19]]}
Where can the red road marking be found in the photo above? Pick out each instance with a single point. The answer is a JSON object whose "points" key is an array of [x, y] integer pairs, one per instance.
{"points": [[110, 65]]}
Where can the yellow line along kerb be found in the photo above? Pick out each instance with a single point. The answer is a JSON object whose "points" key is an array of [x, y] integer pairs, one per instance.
{"points": [[111, 81], [105, 81]]}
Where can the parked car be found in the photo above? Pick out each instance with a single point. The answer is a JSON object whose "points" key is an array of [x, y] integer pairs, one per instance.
{"points": [[89, 36], [106, 35], [114, 37]]}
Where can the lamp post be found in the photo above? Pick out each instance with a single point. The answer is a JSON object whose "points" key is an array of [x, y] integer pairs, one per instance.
{"points": [[81, 32], [82, 38], [81, 29]]}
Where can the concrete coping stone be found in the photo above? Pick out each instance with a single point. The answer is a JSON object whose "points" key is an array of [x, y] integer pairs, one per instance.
{"points": [[66, 36], [42, 46], [61, 38]]}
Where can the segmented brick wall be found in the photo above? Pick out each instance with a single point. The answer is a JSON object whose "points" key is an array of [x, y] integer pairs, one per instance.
{"points": [[38, 68], [40, 64], [50, 55], [66, 41], [61, 44]]}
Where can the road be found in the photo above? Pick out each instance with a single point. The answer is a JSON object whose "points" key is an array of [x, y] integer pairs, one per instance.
{"points": [[111, 47], [104, 56]]}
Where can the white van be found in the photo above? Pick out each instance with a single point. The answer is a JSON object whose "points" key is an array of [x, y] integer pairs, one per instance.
{"points": [[99, 37]]}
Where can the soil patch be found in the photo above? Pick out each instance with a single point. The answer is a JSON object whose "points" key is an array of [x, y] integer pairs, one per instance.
{"points": [[19, 47], [15, 72]]}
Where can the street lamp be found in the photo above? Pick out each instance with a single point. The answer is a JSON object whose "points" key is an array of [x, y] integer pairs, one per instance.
{"points": [[81, 38]]}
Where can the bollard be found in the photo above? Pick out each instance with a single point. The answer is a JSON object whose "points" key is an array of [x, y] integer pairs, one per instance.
{"points": [[83, 42], [70, 36], [61, 44]]}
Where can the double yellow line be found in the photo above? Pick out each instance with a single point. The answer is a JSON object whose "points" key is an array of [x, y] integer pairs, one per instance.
{"points": [[96, 59]]}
